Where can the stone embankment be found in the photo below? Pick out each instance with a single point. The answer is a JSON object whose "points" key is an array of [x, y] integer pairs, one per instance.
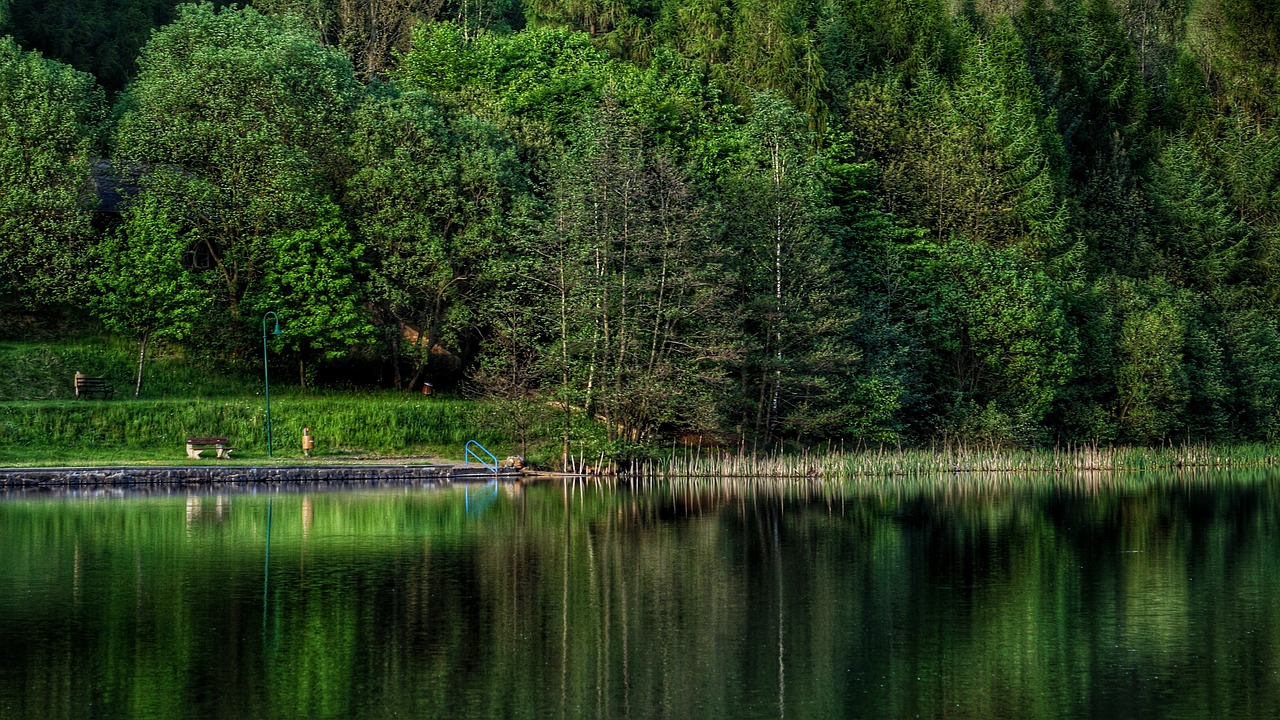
{"points": [[30, 478]]}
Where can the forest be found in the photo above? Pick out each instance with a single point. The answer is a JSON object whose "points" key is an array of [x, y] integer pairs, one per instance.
{"points": [[754, 222]]}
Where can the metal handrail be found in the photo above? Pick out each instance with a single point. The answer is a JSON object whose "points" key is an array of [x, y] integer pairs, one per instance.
{"points": [[469, 454]]}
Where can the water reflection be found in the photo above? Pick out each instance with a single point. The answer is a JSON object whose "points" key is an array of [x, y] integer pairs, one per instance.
{"points": [[266, 563], [969, 597]]}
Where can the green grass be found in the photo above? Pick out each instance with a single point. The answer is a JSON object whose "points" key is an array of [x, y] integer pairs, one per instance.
{"points": [[42, 423], [44, 371], [345, 424]]}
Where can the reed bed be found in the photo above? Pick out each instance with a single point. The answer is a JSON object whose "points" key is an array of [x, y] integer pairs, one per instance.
{"points": [[949, 459], [889, 492]]}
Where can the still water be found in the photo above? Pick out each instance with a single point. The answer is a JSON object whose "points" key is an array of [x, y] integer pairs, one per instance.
{"points": [[960, 598]]}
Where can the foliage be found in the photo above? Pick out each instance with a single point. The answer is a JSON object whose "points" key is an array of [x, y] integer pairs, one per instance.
{"points": [[436, 197], [142, 288], [102, 37], [238, 125], [50, 121], [313, 280], [759, 223], [368, 32], [796, 312], [628, 277]]}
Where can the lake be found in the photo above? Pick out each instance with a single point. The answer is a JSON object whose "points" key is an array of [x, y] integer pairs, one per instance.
{"points": [[957, 597]]}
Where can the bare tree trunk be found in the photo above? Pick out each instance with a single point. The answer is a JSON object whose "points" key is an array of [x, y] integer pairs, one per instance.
{"points": [[142, 356], [564, 362], [779, 170]]}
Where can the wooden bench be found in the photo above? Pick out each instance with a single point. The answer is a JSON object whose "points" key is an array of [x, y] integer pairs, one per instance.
{"points": [[89, 386], [197, 445]]}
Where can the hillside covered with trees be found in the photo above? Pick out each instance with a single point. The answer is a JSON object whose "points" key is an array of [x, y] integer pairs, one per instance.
{"points": [[868, 221]]}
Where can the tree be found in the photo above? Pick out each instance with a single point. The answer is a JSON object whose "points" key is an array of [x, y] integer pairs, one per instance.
{"points": [[238, 123], [640, 338], [977, 156], [995, 330], [701, 29], [1206, 233], [143, 289], [50, 120], [100, 37], [1151, 378], [594, 17], [437, 197], [368, 32], [886, 388], [1238, 41], [313, 280], [776, 50], [795, 305]]}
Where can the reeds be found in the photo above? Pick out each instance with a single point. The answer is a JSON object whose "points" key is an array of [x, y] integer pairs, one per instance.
{"points": [[976, 490], [950, 459]]}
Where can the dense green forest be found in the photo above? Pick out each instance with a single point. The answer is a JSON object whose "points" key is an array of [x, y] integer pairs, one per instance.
{"points": [[868, 221]]}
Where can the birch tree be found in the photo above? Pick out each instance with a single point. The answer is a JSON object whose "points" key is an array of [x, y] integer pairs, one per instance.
{"points": [[643, 334], [796, 310]]}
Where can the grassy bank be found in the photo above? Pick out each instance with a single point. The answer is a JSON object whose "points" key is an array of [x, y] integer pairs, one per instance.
{"points": [[373, 424], [42, 423], [155, 430], [44, 370]]}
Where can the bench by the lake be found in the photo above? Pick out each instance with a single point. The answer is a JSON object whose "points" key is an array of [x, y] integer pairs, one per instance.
{"points": [[197, 445], [89, 386]]}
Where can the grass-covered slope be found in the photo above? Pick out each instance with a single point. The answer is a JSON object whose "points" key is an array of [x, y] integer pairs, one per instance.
{"points": [[41, 421], [44, 371]]}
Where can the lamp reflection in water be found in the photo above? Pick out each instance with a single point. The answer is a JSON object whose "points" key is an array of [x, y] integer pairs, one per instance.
{"points": [[266, 574], [266, 376]]}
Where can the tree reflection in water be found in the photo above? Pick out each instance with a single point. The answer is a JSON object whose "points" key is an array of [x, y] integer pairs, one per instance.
{"points": [[960, 596]]}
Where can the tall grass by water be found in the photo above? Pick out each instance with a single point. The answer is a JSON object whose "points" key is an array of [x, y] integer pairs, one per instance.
{"points": [[834, 464], [700, 493]]}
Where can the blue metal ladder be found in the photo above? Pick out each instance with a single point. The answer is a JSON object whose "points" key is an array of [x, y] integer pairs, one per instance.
{"points": [[472, 454]]}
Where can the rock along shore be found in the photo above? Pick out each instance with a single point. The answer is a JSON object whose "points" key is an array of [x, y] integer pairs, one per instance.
{"points": [[13, 478]]}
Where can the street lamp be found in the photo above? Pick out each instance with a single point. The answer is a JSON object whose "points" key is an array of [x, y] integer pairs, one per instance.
{"points": [[266, 377]]}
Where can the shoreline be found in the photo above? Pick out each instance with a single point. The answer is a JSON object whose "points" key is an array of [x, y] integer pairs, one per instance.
{"points": [[438, 474]]}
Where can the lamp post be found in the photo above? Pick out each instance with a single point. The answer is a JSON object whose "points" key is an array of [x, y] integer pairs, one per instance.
{"points": [[266, 377]]}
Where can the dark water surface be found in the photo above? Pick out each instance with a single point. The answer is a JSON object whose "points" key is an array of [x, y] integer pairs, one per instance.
{"points": [[966, 599]]}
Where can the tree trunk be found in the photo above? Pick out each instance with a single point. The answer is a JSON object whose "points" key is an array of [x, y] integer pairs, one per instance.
{"points": [[142, 356], [564, 362], [779, 170], [395, 357]]}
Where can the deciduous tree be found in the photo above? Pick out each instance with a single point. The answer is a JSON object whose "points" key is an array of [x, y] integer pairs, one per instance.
{"points": [[143, 287], [239, 123], [50, 123]]}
